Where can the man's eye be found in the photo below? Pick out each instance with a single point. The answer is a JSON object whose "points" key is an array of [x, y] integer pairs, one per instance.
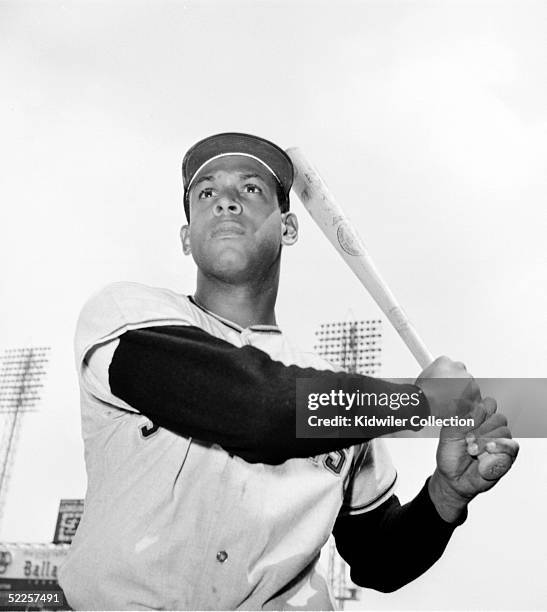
{"points": [[205, 193], [252, 188]]}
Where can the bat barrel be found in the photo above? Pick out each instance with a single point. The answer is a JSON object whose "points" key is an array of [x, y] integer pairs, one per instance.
{"points": [[325, 211]]}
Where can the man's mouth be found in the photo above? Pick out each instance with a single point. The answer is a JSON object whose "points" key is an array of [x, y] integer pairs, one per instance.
{"points": [[226, 229]]}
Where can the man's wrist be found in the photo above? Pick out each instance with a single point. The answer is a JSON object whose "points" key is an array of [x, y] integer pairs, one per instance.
{"points": [[450, 505]]}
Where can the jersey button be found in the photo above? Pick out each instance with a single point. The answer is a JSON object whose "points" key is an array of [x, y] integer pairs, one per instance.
{"points": [[222, 555]]}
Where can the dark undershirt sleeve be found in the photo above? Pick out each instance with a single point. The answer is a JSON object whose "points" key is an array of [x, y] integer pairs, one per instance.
{"points": [[392, 545], [197, 385]]}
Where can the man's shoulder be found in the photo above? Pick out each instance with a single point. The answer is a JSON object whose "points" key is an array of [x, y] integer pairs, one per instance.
{"points": [[123, 292], [131, 297], [122, 306]]}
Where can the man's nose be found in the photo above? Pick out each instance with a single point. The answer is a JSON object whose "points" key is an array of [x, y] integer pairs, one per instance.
{"points": [[227, 204]]}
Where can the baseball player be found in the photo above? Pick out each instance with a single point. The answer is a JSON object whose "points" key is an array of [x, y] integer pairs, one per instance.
{"points": [[199, 495]]}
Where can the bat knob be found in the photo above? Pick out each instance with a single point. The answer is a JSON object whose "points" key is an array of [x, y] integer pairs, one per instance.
{"points": [[492, 467]]}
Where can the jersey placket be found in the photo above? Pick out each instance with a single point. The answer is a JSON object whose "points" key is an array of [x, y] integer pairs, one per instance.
{"points": [[227, 550], [223, 565]]}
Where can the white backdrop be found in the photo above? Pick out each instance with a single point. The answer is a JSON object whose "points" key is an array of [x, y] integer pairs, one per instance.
{"points": [[428, 121]]}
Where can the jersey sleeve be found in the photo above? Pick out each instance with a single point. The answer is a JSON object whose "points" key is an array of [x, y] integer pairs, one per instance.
{"points": [[372, 479], [118, 308], [392, 545], [139, 350]]}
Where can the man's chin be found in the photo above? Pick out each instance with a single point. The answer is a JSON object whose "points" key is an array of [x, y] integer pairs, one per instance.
{"points": [[231, 267], [233, 264]]}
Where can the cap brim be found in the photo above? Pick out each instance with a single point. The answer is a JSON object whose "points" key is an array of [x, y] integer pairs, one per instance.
{"points": [[233, 143]]}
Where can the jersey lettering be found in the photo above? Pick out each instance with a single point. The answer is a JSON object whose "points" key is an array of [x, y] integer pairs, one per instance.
{"points": [[334, 461], [149, 430]]}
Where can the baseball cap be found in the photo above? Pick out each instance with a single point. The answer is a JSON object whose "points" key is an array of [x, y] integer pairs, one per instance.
{"points": [[234, 143]]}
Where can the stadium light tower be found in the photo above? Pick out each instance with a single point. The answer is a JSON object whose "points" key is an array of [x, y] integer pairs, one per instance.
{"points": [[354, 346], [21, 373]]}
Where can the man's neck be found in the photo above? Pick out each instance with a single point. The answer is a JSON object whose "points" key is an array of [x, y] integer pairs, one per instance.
{"points": [[244, 305]]}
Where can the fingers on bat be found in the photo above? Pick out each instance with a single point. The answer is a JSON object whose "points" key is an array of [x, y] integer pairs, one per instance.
{"points": [[493, 422], [483, 444], [506, 446], [490, 405]]}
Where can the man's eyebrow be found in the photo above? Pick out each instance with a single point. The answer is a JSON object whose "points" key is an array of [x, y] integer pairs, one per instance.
{"points": [[203, 179], [243, 175], [250, 175]]}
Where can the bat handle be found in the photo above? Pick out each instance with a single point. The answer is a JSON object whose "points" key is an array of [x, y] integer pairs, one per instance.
{"points": [[409, 335]]}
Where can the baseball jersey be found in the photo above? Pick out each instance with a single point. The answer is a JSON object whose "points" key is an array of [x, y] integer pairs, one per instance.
{"points": [[171, 522]]}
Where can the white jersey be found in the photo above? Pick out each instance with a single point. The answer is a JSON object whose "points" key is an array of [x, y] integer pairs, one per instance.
{"points": [[174, 523]]}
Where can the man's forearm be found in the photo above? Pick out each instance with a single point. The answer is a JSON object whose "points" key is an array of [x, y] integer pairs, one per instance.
{"points": [[392, 545], [197, 385]]}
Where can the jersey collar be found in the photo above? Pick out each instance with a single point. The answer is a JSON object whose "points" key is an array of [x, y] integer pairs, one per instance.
{"points": [[256, 328]]}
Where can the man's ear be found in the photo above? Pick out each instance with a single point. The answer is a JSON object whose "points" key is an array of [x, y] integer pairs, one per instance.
{"points": [[289, 228], [185, 239]]}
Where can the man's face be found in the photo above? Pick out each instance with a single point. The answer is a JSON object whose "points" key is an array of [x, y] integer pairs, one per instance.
{"points": [[236, 230]]}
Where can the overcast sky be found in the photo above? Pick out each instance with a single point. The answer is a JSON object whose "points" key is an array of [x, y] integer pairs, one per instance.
{"points": [[427, 120]]}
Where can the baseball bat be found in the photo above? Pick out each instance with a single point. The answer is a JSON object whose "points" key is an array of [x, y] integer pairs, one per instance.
{"points": [[329, 216]]}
